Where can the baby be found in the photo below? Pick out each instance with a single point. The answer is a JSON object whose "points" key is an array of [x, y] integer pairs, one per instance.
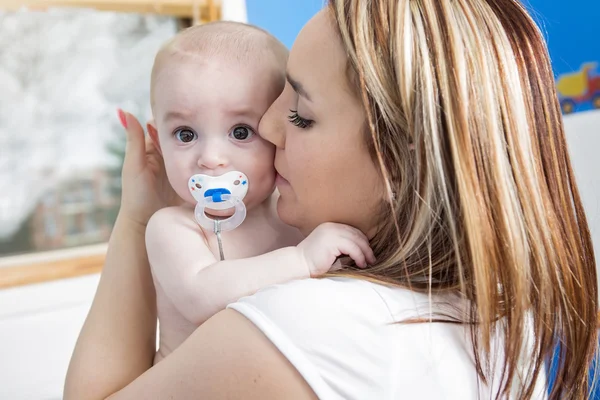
{"points": [[210, 86]]}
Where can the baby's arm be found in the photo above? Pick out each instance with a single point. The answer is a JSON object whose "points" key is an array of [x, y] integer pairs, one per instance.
{"points": [[195, 281]]}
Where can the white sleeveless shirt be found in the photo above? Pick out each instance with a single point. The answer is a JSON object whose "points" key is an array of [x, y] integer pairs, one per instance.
{"points": [[343, 337]]}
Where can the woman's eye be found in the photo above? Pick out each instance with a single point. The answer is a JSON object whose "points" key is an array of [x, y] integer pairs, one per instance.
{"points": [[298, 121], [242, 133], [185, 135]]}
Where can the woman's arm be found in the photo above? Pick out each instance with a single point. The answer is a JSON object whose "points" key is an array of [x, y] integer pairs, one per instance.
{"points": [[226, 358], [118, 340]]}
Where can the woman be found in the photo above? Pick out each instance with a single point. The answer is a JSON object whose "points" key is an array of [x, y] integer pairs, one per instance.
{"points": [[433, 127]]}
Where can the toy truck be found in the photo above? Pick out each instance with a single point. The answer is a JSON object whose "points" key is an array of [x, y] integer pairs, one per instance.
{"points": [[579, 87]]}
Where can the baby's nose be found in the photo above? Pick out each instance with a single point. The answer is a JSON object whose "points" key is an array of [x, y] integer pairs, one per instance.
{"points": [[212, 157]]}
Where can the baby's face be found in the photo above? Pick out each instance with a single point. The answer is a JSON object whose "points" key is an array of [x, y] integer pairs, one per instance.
{"points": [[207, 114]]}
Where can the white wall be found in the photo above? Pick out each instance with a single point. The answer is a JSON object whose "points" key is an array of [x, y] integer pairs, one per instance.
{"points": [[39, 325], [583, 137]]}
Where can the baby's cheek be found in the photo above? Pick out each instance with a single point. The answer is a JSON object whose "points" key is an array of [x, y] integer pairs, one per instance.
{"points": [[263, 172], [184, 192]]}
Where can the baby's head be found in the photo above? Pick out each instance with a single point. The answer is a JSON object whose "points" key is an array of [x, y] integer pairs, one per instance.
{"points": [[211, 85]]}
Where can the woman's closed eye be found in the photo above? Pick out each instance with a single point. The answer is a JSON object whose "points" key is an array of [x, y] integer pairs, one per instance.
{"points": [[185, 135], [298, 121], [241, 133]]}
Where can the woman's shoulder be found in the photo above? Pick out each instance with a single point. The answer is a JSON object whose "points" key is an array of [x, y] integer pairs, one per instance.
{"points": [[323, 295], [345, 297], [347, 339]]}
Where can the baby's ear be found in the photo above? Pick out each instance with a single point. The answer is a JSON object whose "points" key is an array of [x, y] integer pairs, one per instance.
{"points": [[153, 133]]}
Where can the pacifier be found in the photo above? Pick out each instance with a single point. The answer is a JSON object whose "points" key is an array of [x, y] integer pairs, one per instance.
{"points": [[219, 193]]}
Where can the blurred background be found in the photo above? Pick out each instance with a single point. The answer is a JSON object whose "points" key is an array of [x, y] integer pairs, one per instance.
{"points": [[65, 68]]}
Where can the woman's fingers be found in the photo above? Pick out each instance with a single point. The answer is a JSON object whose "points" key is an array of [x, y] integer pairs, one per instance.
{"points": [[136, 142]]}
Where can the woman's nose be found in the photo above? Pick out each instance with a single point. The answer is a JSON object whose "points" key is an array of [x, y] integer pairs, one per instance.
{"points": [[272, 125]]}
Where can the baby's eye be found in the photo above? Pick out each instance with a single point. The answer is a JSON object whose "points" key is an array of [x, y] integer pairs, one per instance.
{"points": [[241, 133], [185, 135]]}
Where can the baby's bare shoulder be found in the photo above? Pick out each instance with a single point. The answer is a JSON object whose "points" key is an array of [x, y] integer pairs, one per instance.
{"points": [[174, 229], [172, 215], [172, 221]]}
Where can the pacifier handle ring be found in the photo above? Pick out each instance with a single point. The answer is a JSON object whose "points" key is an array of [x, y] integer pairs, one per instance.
{"points": [[218, 226]]}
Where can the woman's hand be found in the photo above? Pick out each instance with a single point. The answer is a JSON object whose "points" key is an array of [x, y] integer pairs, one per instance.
{"points": [[146, 188]]}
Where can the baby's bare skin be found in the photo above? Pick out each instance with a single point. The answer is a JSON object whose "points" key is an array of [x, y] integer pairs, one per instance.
{"points": [[262, 232]]}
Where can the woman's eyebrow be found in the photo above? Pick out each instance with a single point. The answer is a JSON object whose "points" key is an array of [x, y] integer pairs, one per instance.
{"points": [[297, 86]]}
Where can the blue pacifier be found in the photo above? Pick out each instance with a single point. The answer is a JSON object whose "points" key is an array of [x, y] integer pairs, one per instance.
{"points": [[219, 193]]}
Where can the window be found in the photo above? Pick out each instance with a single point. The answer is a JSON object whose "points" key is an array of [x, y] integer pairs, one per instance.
{"points": [[63, 74], [50, 228]]}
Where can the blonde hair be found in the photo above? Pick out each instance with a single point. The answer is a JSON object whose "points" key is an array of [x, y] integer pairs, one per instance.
{"points": [[233, 42], [465, 124]]}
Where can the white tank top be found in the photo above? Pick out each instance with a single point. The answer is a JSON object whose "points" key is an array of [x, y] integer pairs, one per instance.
{"points": [[343, 337]]}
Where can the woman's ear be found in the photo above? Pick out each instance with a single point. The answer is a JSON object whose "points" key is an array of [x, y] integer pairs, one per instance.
{"points": [[389, 195], [153, 133]]}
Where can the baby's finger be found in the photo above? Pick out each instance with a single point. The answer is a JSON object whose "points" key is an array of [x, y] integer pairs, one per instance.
{"points": [[361, 240], [367, 251], [351, 249]]}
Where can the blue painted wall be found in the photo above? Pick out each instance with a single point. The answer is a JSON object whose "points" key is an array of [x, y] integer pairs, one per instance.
{"points": [[571, 30], [283, 18]]}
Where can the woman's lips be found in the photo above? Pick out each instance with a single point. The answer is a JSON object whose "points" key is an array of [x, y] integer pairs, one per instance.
{"points": [[281, 181]]}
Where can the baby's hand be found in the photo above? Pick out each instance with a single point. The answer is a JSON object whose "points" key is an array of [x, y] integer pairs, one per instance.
{"points": [[329, 241]]}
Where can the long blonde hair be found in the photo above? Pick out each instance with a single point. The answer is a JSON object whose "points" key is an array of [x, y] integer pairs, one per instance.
{"points": [[464, 121]]}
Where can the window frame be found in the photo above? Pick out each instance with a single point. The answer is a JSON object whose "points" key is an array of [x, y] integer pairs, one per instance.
{"points": [[33, 268]]}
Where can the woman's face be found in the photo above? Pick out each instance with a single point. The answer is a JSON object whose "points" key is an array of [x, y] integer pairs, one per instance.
{"points": [[325, 171]]}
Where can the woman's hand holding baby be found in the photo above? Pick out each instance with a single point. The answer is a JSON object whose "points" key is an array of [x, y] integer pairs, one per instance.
{"points": [[328, 241], [146, 188]]}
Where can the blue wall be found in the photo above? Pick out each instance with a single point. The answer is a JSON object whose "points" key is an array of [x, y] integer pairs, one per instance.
{"points": [[571, 30], [283, 18]]}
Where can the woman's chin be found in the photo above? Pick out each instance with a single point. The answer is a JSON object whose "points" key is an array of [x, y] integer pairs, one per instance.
{"points": [[286, 213]]}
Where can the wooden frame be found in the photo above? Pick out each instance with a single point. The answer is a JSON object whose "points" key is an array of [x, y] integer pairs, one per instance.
{"points": [[200, 11], [48, 266], [62, 264]]}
